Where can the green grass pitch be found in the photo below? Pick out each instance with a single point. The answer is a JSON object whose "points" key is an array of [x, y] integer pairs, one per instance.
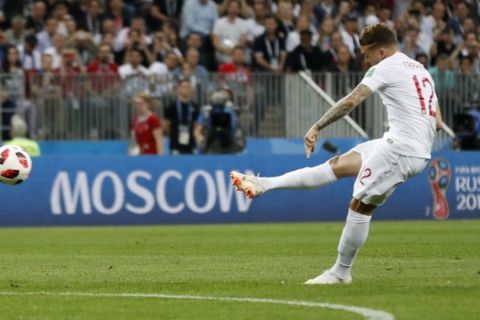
{"points": [[412, 270]]}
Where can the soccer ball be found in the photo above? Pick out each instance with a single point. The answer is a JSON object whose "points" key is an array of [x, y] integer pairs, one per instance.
{"points": [[15, 165]]}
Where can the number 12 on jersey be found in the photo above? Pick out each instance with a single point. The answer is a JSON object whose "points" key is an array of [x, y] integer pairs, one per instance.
{"points": [[421, 87]]}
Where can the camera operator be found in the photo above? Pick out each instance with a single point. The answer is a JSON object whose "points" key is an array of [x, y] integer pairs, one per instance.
{"points": [[221, 129]]}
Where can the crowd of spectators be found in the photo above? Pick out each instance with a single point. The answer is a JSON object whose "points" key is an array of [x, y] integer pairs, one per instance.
{"points": [[190, 38], [168, 36]]}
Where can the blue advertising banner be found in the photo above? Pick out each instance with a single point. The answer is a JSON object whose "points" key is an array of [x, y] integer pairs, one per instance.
{"points": [[118, 190]]}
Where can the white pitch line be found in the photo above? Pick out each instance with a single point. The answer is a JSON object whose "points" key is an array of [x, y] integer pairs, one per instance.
{"points": [[370, 314]]}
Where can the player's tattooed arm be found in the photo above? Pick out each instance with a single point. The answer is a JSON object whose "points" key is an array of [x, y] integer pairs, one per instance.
{"points": [[337, 111], [344, 106]]}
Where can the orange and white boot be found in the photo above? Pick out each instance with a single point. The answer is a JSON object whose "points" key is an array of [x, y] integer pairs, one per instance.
{"points": [[250, 185]]}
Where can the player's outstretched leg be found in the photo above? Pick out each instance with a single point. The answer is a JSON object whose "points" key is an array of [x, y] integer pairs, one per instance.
{"points": [[353, 237], [346, 165], [309, 177]]}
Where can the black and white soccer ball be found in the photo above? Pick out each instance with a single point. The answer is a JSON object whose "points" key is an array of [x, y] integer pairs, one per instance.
{"points": [[15, 165]]}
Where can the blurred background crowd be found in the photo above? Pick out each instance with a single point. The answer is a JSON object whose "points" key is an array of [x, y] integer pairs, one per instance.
{"points": [[178, 39], [194, 36]]}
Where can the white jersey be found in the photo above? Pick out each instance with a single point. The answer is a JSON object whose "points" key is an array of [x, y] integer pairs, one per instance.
{"points": [[408, 92]]}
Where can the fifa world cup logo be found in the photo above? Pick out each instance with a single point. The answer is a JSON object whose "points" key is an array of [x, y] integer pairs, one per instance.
{"points": [[439, 175]]}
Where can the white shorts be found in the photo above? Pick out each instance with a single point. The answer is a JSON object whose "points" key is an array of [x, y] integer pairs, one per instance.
{"points": [[382, 170]]}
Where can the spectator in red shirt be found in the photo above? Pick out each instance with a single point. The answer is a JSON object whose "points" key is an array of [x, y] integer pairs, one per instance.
{"points": [[103, 64], [146, 128], [103, 72], [104, 101], [46, 88], [238, 78], [74, 88], [235, 70], [70, 71]]}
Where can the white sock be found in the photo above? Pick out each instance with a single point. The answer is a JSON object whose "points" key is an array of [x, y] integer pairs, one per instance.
{"points": [[309, 177], [353, 237]]}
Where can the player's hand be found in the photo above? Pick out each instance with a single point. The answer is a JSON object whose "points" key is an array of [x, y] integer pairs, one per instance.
{"points": [[310, 140]]}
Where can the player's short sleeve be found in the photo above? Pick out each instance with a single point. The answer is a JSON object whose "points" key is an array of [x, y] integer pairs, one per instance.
{"points": [[376, 77]]}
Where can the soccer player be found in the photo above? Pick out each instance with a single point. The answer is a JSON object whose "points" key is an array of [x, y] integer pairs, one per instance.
{"points": [[379, 165]]}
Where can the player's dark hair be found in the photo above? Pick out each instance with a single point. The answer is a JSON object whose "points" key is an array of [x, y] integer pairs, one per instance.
{"points": [[377, 35]]}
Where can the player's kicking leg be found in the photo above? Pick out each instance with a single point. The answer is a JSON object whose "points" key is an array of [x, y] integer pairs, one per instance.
{"points": [[382, 171], [346, 165], [371, 188]]}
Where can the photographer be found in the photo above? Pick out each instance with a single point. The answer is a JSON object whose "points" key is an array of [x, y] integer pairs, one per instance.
{"points": [[220, 122]]}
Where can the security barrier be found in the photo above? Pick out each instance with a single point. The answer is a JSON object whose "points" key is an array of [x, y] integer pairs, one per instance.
{"points": [[89, 107]]}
